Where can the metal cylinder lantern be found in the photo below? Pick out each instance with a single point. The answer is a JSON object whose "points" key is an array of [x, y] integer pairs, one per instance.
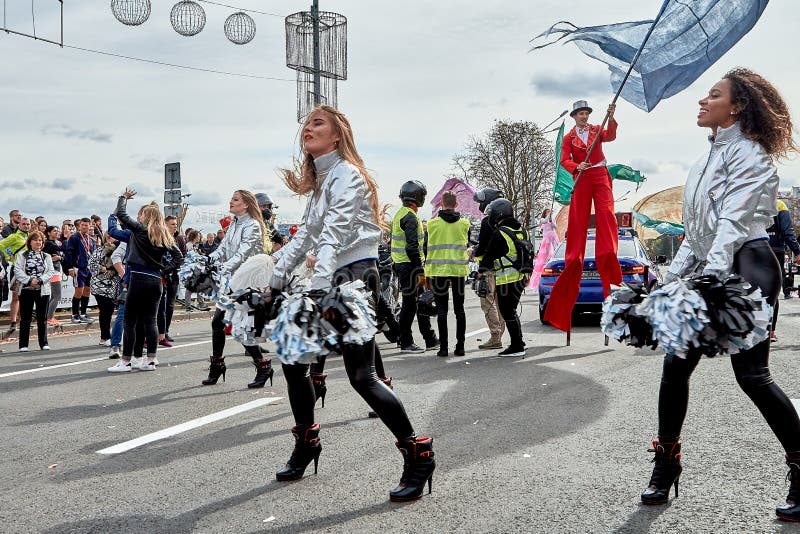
{"points": [[188, 18], [332, 43]]}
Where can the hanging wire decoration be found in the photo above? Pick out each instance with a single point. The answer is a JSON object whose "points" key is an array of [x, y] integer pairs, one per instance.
{"points": [[305, 94], [240, 28], [316, 47], [332, 43], [188, 18], [131, 12]]}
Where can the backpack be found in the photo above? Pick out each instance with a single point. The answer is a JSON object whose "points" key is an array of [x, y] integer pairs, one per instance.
{"points": [[525, 252]]}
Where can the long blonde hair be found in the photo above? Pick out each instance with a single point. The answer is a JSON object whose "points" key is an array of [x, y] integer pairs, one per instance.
{"points": [[304, 181], [255, 212], [157, 231]]}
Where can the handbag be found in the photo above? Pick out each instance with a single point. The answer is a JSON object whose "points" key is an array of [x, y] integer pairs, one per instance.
{"points": [[56, 278]]}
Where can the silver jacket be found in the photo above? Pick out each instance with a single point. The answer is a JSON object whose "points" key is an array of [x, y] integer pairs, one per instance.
{"points": [[244, 238], [729, 199], [338, 226]]}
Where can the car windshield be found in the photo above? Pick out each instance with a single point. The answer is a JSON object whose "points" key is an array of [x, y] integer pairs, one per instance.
{"points": [[626, 249]]}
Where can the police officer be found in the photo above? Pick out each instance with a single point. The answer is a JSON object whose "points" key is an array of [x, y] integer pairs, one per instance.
{"points": [[499, 257], [446, 267], [489, 302], [408, 239]]}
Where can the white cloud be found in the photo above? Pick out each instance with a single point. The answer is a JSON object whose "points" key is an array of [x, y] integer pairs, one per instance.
{"points": [[62, 130]]}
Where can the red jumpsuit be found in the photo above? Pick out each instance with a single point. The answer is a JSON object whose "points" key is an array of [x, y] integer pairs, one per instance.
{"points": [[595, 184]]}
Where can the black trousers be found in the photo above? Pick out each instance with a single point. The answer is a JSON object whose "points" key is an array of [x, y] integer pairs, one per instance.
{"points": [[441, 285], [218, 339], [359, 362], [407, 276], [141, 308], [508, 296], [106, 307], [28, 299], [757, 264], [171, 294]]}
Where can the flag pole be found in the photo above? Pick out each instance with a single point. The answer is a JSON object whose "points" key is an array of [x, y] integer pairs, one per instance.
{"points": [[621, 85]]}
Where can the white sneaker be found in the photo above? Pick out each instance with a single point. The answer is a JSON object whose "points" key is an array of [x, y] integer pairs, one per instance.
{"points": [[106, 343], [155, 362], [23, 349], [136, 362], [147, 366], [86, 319], [46, 347], [121, 366]]}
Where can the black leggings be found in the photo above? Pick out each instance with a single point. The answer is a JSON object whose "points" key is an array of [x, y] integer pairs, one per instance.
{"points": [[757, 264], [508, 296], [106, 306], [407, 277], [218, 339], [359, 362], [440, 286], [141, 306]]}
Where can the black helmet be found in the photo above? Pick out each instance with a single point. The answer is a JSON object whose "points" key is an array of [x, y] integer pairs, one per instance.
{"points": [[426, 304], [415, 191], [499, 210], [485, 196]]}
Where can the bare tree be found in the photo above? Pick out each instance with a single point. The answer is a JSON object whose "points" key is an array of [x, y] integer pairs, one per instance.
{"points": [[514, 157]]}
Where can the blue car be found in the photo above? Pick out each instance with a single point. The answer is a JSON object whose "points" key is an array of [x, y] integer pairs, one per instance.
{"points": [[637, 269]]}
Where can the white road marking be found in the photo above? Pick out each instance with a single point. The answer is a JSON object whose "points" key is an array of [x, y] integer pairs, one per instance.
{"points": [[189, 425], [796, 403], [48, 367], [476, 332]]}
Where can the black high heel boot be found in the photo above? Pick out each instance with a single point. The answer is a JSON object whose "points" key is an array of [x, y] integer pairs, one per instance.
{"points": [[791, 510], [417, 469], [320, 389], [666, 472], [216, 370], [264, 372], [306, 448]]}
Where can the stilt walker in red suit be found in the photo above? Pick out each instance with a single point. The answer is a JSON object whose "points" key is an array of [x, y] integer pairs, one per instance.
{"points": [[593, 184]]}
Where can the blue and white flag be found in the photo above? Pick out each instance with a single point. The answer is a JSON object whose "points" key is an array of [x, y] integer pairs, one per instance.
{"points": [[690, 36]]}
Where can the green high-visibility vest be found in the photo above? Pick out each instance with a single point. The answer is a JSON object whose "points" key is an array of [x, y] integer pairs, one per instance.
{"points": [[399, 254], [447, 248], [505, 273]]}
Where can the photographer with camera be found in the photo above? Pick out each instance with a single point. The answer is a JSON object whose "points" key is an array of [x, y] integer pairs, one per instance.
{"points": [[485, 286]]}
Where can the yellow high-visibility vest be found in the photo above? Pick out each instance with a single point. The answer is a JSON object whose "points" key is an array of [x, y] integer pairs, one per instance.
{"points": [[447, 248], [505, 273], [399, 254]]}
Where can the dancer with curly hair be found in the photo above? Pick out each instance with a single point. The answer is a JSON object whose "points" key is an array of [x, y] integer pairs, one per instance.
{"points": [[729, 201]]}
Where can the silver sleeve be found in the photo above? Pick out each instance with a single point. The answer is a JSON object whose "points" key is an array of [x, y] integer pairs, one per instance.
{"points": [[751, 174], [293, 253], [344, 199], [250, 244]]}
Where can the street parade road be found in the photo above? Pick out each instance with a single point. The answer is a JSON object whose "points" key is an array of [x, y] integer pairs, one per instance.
{"points": [[554, 442]]}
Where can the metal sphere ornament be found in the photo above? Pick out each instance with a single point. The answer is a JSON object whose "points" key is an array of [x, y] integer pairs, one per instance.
{"points": [[240, 28], [187, 18], [131, 12]]}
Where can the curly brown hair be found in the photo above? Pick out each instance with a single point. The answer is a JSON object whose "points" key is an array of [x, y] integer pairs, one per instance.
{"points": [[763, 114]]}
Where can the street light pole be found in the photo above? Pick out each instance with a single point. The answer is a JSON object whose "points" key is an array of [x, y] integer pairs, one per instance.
{"points": [[317, 78]]}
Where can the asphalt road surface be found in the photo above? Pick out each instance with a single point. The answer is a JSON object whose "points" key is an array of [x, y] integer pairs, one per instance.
{"points": [[553, 442]]}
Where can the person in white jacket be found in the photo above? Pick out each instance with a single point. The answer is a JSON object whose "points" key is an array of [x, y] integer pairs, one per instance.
{"points": [[33, 270]]}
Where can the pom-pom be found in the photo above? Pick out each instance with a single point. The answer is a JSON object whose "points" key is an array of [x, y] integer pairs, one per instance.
{"points": [[198, 275], [311, 323], [621, 321], [705, 314]]}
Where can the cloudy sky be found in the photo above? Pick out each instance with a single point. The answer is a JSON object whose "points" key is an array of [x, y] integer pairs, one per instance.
{"points": [[423, 77]]}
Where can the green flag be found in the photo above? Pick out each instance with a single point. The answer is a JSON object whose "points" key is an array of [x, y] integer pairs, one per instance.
{"points": [[623, 172], [562, 187]]}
